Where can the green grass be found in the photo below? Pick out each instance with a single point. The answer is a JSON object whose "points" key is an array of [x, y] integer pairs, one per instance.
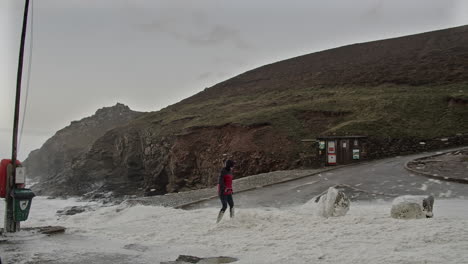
{"points": [[382, 111]]}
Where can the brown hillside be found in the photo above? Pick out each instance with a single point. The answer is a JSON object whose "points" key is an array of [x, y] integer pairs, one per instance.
{"points": [[437, 57], [398, 92]]}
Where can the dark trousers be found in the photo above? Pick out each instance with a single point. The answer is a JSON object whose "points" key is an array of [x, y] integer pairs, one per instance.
{"points": [[225, 200]]}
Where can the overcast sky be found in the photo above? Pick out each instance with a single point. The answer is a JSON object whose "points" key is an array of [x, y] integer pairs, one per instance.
{"points": [[148, 54]]}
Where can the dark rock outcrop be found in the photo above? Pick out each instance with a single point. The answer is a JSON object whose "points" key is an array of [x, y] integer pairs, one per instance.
{"points": [[133, 161], [71, 210], [53, 163], [186, 259]]}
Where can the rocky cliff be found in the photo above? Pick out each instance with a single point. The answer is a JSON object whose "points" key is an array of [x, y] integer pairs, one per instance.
{"points": [[399, 92], [53, 163]]}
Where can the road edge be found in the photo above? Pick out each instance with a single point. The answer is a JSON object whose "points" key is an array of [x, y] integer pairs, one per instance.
{"points": [[183, 206], [434, 176]]}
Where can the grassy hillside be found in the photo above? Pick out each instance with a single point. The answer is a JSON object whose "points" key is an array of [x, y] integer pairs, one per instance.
{"points": [[382, 111], [414, 86]]}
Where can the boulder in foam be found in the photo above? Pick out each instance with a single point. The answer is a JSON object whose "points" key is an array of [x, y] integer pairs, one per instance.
{"points": [[412, 207], [333, 203]]}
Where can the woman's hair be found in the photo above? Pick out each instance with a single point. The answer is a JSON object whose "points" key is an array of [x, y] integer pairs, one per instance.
{"points": [[229, 164]]}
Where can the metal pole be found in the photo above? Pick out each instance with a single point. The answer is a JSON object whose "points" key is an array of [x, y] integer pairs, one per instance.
{"points": [[10, 224]]}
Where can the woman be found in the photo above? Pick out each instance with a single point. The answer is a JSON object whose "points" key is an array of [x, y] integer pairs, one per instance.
{"points": [[225, 189]]}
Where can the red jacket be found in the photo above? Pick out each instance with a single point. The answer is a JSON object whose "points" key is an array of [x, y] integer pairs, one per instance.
{"points": [[225, 182]]}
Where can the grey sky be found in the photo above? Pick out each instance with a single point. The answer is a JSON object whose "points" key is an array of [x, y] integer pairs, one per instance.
{"points": [[150, 53]]}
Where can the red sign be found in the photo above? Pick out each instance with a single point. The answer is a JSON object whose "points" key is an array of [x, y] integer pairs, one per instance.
{"points": [[3, 175]]}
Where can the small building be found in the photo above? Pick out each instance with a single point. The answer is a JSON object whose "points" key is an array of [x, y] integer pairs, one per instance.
{"points": [[339, 150]]}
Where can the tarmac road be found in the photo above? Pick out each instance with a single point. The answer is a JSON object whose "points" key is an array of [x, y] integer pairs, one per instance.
{"points": [[381, 179]]}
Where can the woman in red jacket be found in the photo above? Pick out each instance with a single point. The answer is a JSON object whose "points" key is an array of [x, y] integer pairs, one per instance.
{"points": [[225, 189]]}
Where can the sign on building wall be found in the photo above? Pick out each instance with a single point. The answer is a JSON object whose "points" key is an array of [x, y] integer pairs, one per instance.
{"points": [[356, 154], [322, 144], [331, 152]]}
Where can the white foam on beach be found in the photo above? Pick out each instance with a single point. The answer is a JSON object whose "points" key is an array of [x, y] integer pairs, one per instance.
{"points": [[367, 234]]}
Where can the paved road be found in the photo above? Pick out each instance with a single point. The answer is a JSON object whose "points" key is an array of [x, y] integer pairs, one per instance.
{"points": [[381, 179]]}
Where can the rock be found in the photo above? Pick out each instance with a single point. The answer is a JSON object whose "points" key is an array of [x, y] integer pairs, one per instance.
{"points": [[412, 207], [189, 259], [47, 230], [119, 162], [71, 210], [54, 164], [136, 247], [217, 260], [333, 203], [183, 259]]}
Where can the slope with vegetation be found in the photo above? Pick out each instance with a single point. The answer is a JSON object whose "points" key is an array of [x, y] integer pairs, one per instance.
{"points": [[398, 92]]}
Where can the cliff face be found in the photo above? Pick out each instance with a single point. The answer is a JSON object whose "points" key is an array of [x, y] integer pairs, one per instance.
{"points": [[54, 161], [135, 161], [398, 92]]}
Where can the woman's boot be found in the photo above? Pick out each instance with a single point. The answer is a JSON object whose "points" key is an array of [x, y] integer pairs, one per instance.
{"points": [[220, 216]]}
